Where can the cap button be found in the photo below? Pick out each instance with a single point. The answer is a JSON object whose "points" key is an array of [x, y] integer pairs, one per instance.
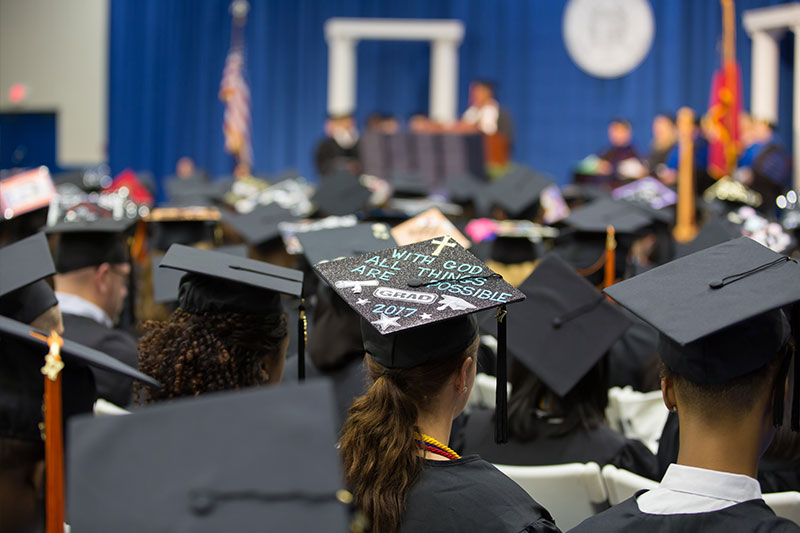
{"points": [[716, 284], [557, 322], [414, 282]]}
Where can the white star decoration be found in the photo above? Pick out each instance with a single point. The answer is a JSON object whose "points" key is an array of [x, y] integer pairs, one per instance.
{"points": [[362, 301], [425, 316], [386, 322]]}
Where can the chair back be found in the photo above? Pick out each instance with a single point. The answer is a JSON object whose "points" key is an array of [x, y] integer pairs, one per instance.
{"points": [[622, 484], [571, 492], [785, 504]]}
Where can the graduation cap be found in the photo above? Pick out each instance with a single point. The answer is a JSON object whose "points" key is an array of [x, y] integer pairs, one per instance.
{"points": [[340, 194], [647, 190], [233, 461], [216, 282], [714, 231], [24, 295], [465, 188], [335, 243], [194, 191], [181, 225], [408, 183], [166, 281], [517, 193], [718, 310], [91, 242], [564, 327], [417, 303], [429, 224], [260, 225], [626, 217], [22, 356], [25, 192]]}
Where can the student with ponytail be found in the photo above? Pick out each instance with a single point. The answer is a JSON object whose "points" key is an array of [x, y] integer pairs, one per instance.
{"points": [[422, 367]]}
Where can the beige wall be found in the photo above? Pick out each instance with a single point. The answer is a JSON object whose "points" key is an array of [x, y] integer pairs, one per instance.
{"points": [[59, 49]]}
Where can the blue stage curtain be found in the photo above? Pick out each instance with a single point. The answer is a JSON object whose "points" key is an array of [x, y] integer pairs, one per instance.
{"points": [[166, 59]]}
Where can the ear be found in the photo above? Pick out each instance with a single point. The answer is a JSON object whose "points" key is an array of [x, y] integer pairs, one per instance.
{"points": [[668, 393], [100, 276], [463, 374]]}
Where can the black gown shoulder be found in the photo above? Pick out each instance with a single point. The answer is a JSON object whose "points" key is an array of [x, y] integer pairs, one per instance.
{"points": [[115, 342], [749, 516], [469, 494], [602, 445]]}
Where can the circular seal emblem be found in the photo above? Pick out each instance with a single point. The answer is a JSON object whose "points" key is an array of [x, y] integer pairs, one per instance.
{"points": [[608, 38]]}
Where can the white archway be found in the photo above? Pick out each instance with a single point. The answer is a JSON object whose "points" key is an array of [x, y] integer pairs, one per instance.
{"points": [[765, 27], [343, 35]]}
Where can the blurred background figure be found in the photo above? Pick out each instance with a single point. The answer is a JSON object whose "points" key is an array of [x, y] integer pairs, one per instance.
{"points": [[338, 151]]}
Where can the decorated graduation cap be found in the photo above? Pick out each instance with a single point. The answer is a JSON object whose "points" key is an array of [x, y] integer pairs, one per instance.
{"points": [[718, 311], [260, 225], [517, 193], [429, 224], [417, 304], [43, 381], [217, 282], [25, 192], [233, 461], [166, 281], [564, 327], [90, 242], [340, 194], [336, 243], [181, 225], [24, 295]]}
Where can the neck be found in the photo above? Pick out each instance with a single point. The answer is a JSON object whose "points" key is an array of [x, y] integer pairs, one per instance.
{"points": [[725, 446], [436, 425]]}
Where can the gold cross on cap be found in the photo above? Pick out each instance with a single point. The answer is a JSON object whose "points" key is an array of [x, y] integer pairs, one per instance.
{"points": [[442, 243]]}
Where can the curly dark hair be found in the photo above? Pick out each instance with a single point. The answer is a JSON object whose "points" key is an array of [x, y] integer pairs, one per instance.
{"points": [[192, 354]]}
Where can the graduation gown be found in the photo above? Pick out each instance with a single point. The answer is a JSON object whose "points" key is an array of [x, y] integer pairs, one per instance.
{"points": [[752, 515], [117, 343], [469, 494], [602, 445]]}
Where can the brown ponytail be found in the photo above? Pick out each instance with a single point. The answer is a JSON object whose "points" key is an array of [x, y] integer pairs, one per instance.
{"points": [[381, 459]]}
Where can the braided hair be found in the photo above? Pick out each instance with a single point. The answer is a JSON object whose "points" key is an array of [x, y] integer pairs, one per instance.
{"points": [[192, 354]]}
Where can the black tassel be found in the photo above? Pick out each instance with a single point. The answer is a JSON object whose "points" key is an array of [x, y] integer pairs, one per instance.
{"points": [[501, 408], [301, 342], [795, 384]]}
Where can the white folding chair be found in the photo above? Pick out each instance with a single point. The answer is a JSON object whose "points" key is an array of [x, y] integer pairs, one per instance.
{"points": [[785, 504], [637, 415], [571, 492], [105, 408], [622, 484]]}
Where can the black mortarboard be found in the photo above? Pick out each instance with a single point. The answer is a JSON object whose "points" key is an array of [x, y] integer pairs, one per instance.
{"points": [[181, 225], [335, 243], [418, 301], [22, 353], [166, 280], [260, 225], [465, 188], [626, 217], [86, 243], [222, 283], [340, 194], [408, 183], [24, 295], [563, 327], [194, 191], [714, 231], [219, 282], [716, 308], [234, 461], [517, 193]]}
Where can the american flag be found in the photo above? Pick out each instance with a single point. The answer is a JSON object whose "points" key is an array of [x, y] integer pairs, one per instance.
{"points": [[235, 93]]}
